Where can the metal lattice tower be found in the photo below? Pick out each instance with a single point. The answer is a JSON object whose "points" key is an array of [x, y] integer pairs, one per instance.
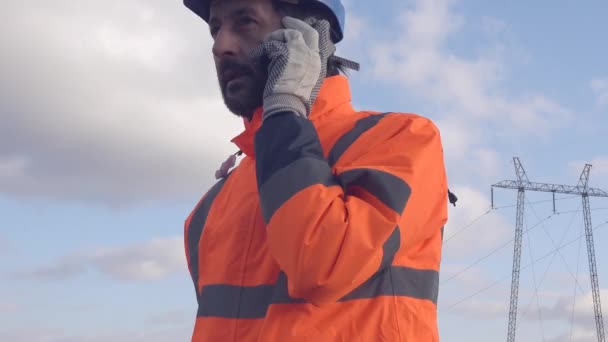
{"points": [[597, 306], [521, 185]]}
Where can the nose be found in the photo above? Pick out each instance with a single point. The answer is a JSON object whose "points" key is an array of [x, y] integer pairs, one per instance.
{"points": [[225, 44]]}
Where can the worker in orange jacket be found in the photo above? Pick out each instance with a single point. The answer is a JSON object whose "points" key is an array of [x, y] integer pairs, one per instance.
{"points": [[330, 228]]}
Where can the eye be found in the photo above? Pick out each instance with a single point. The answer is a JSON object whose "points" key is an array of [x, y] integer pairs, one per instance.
{"points": [[245, 20], [213, 30]]}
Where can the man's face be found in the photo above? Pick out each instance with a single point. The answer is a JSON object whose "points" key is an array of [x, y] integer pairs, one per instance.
{"points": [[237, 27]]}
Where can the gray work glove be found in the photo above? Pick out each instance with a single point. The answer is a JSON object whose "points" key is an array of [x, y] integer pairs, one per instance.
{"points": [[297, 65]]}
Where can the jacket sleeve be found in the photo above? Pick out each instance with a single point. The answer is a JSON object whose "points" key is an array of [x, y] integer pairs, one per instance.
{"points": [[330, 231]]}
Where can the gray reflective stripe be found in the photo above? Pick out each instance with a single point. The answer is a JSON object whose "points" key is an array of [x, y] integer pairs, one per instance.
{"points": [[195, 228], [281, 294], [390, 248], [229, 301], [285, 183], [401, 282], [351, 136], [389, 189]]}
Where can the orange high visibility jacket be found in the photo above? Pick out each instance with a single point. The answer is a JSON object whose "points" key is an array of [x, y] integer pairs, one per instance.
{"points": [[329, 229]]}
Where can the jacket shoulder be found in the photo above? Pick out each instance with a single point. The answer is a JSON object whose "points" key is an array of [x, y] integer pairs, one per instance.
{"points": [[412, 118], [407, 122]]}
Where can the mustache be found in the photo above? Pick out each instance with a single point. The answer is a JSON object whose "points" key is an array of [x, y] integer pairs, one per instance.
{"points": [[247, 67]]}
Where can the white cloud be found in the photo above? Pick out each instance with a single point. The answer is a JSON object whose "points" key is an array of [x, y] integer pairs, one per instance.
{"points": [[63, 268], [8, 307], [472, 290], [161, 326], [484, 309], [598, 177], [355, 24], [583, 309], [154, 335], [579, 334], [583, 321], [465, 93], [469, 88], [458, 136], [126, 103], [556, 318], [565, 279], [127, 106], [40, 334], [170, 318], [451, 273], [470, 224], [493, 26], [600, 89], [11, 168], [489, 162], [5, 245], [151, 260]]}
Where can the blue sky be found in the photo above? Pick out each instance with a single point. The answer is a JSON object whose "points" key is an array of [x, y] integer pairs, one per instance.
{"points": [[112, 127]]}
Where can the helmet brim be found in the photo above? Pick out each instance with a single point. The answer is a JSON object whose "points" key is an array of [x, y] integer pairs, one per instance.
{"points": [[201, 8]]}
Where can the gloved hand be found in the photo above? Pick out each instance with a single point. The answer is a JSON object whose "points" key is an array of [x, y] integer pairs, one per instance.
{"points": [[297, 65]]}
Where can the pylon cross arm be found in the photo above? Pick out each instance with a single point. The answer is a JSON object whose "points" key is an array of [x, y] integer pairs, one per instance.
{"points": [[554, 188]]}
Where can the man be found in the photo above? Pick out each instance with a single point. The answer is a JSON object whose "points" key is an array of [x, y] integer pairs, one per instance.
{"points": [[330, 228]]}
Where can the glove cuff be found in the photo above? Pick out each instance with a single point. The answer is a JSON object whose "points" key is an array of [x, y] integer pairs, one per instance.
{"points": [[277, 103]]}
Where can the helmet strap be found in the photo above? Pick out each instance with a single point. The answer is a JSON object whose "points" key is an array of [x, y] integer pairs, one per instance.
{"points": [[345, 62]]}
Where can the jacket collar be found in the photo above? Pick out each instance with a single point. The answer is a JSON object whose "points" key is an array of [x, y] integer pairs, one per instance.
{"points": [[334, 93]]}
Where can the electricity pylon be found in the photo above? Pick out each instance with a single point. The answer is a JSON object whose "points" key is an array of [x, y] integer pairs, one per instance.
{"points": [[523, 184]]}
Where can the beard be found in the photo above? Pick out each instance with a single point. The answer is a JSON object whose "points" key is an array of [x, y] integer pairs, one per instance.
{"points": [[242, 94]]}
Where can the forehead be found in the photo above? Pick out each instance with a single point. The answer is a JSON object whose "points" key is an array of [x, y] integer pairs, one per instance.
{"points": [[222, 8]]}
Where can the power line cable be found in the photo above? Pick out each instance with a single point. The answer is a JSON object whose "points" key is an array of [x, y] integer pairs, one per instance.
{"points": [[494, 251], [465, 227], [453, 305], [537, 202], [536, 286], [525, 311], [560, 254], [579, 210], [578, 262]]}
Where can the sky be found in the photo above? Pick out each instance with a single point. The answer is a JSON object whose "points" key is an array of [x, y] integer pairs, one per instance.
{"points": [[112, 125]]}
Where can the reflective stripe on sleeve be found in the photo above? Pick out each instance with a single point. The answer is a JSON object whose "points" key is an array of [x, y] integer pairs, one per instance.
{"points": [[390, 248], [290, 180], [289, 158], [351, 136], [390, 189]]}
